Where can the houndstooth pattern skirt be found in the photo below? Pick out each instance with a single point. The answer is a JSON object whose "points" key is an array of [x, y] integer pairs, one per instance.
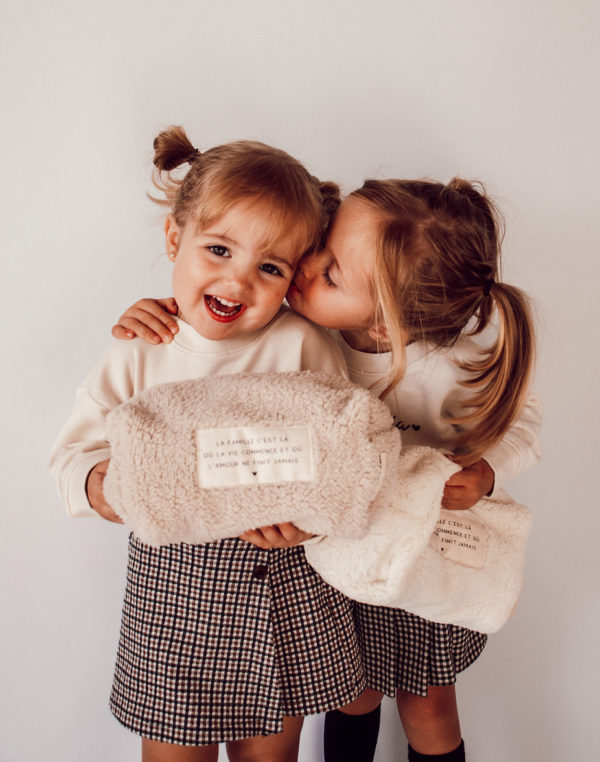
{"points": [[402, 650], [220, 641]]}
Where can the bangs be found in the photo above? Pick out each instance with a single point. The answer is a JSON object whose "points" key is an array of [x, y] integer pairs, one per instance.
{"points": [[281, 222], [289, 201]]}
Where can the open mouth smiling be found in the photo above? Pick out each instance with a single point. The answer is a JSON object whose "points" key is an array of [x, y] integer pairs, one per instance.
{"points": [[223, 310]]}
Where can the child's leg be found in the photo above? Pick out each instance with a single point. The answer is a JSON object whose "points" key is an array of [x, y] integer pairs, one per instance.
{"points": [[282, 747], [351, 732], [431, 722], [156, 751]]}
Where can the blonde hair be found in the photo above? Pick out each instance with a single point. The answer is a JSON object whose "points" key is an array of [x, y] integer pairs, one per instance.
{"points": [[244, 170], [436, 277]]}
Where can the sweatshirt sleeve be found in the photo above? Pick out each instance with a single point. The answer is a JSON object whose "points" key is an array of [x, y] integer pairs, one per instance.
{"points": [[81, 444], [519, 449]]}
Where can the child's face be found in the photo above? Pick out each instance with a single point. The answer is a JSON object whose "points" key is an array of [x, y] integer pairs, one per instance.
{"points": [[224, 280], [334, 287]]}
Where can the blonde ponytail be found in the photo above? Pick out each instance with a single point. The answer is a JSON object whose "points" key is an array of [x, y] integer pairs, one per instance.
{"points": [[499, 382], [437, 258]]}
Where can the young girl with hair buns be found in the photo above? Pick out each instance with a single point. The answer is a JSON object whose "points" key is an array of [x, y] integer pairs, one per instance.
{"points": [[205, 654], [409, 272]]}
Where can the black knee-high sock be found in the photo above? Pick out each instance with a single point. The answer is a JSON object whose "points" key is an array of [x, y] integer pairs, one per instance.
{"points": [[351, 737], [458, 755]]}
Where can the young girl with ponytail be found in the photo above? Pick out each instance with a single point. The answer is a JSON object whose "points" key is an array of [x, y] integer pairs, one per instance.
{"points": [[408, 275], [205, 654]]}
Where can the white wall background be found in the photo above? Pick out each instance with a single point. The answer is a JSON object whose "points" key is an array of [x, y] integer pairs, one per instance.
{"points": [[503, 91]]}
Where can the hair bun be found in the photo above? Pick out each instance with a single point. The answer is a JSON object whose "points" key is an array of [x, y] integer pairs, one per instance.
{"points": [[464, 187], [330, 194], [172, 148]]}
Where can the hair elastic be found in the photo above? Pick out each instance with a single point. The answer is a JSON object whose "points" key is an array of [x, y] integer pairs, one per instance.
{"points": [[487, 286], [194, 156]]}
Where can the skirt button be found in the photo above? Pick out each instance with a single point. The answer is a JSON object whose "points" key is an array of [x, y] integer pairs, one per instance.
{"points": [[260, 571]]}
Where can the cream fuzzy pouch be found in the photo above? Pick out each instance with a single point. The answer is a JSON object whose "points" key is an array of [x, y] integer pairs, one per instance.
{"points": [[195, 461], [469, 572]]}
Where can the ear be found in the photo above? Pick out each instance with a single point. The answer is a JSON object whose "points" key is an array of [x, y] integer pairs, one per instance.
{"points": [[379, 333], [172, 236]]}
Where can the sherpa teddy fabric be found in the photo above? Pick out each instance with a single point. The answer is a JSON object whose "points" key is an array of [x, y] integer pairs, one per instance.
{"points": [[387, 542], [153, 480], [478, 588]]}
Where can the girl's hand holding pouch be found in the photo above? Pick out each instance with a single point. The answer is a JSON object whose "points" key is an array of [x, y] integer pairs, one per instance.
{"points": [[95, 493], [277, 536], [468, 486]]}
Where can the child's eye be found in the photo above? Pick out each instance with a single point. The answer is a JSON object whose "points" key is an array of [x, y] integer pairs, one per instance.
{"points": [[271, 269], [327, 278], [220, 251]]}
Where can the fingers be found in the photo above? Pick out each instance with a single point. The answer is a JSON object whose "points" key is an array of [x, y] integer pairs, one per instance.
{"points": [[121, 333], [256, 537], [466, 487], [106, 512], [144, 326], [456, 499], [455, 493], [282, 535], [95, 493], [150, 320], [457, 479], [292, 535], [169, 304]]}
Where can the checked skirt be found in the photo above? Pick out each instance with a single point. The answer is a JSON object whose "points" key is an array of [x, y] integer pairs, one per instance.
{"points": [[402, 650], [220, 641]]}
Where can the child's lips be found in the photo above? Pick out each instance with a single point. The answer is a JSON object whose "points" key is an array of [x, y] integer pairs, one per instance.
{"points": [[223, 310]]}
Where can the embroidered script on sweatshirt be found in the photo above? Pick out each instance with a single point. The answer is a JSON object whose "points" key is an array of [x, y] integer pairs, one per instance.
{"points": [[462, 539], [403, 426], [254, 455]]}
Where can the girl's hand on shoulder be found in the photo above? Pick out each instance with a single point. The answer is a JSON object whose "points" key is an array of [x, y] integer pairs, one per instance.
{"points": [[468, 486], [277, 536], [95, 492], [148, 319]]}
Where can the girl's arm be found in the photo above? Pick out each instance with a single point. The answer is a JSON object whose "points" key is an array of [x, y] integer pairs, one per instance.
{"points": [[80, 447], [519, 448], [80, 454], [517, 451], [149, 319]]}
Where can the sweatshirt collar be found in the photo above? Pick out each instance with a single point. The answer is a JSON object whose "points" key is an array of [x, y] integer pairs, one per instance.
{"points": [[188, 339], [378, 363]]}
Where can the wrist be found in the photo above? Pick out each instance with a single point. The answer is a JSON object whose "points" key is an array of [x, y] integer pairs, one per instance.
{"points": [[489, 477]]}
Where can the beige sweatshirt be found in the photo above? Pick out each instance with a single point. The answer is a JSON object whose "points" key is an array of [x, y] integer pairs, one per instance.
{"points": [[288, 343]]}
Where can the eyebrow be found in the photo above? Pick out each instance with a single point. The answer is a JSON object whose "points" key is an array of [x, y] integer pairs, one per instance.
{"points": [[221, 236], [281, 261]]}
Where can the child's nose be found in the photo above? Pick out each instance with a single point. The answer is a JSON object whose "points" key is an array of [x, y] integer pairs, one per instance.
{"points": [[242, 279]]}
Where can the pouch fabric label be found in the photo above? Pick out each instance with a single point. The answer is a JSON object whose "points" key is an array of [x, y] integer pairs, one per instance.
{"points": [[462, 539], [254, 455]]}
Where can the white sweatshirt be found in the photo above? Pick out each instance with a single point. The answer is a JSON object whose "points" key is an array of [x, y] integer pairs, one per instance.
{"points": [[430, 391], [288, 343]]}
